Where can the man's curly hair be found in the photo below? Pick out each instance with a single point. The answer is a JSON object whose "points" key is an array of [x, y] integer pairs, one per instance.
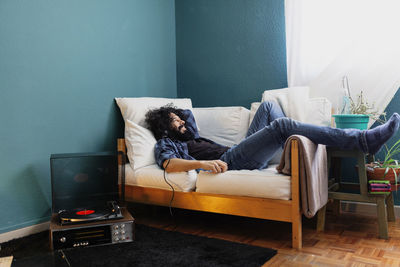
{"points": [[159, 121]]}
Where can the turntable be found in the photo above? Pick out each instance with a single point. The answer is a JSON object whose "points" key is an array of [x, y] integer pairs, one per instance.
{"points": [[94, 233], [84, 201], [85, 215]]}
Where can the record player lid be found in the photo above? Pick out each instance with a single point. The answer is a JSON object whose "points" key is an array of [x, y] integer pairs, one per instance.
{"points": [[83, 180]]}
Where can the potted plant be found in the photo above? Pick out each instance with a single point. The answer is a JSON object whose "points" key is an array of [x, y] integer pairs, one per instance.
{"points": [[355, 114], [388, 169]]}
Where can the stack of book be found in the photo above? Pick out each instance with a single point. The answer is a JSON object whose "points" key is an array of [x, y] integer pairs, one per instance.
{"points": [[379, 187]]}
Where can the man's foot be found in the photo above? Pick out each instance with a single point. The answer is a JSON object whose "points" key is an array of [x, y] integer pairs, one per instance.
{"points": [[378, 136]]}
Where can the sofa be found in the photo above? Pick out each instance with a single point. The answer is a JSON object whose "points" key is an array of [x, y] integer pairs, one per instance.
{"points": [[264, 194]]}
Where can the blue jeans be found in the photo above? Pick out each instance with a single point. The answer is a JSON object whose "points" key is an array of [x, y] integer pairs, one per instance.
{"points": [[270, 129]]}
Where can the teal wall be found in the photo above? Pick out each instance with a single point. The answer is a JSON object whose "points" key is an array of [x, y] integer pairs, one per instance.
{"points": [[229, 51], [61, 65]]}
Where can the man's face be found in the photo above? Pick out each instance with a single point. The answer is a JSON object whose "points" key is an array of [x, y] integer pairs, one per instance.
{"points": [[177, 123]]}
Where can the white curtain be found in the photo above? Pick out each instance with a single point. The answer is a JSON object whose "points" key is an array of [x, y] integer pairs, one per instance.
{"points": [[329, 39]]}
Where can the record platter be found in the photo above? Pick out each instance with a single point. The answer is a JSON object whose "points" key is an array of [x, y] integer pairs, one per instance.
{"points": [[83, 215]]}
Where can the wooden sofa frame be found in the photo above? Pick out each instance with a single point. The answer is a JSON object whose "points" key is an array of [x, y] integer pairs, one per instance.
{"points": [[262, 208]]}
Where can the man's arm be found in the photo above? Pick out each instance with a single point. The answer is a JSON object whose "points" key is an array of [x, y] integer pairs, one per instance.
{"points": [[181, 165], [190, 123]]}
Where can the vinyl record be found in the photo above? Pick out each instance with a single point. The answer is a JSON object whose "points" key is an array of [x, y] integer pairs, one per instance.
{"points": [[83, 214]]}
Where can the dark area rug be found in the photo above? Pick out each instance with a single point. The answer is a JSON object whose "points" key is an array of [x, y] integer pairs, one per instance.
{"points": [[152, 247]]}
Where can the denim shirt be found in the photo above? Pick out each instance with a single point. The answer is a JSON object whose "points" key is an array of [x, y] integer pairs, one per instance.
{"points": [[166, 148]]}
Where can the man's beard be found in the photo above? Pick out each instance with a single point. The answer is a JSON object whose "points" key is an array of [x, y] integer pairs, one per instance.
{"points": [[177, 135]]}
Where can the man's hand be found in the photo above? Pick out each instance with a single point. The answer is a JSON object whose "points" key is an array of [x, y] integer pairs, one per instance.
{"points": [[215, 166], [182, 165]]}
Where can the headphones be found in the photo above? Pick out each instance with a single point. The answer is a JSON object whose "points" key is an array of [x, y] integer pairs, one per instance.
{"points": [[165, 134]]}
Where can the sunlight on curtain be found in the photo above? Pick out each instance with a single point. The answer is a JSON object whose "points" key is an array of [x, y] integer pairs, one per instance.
{"points": [[328, 39]]}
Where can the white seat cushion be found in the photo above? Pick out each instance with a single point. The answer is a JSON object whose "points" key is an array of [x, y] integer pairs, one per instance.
{"points": [[266, 183], [224, 125], [153, 176]]}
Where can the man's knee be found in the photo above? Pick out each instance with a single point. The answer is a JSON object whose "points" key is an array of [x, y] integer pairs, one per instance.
{"points": [[282, 121], [267, 105]]}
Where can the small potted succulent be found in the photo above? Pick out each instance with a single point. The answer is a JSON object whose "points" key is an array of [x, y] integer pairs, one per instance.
{"points": [[355, 113]]}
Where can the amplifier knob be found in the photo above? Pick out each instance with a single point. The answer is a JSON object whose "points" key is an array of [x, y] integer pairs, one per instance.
{"points": [[122, 225], [122, 232], [63, 239]]}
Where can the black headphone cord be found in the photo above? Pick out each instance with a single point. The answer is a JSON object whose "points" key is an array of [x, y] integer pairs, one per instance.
{"points": [[173, 190]]}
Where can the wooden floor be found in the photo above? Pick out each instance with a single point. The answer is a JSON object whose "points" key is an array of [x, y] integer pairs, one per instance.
{"points": [[349, 240]]}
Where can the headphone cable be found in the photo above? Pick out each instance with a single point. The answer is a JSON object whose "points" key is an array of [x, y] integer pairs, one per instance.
{"points": [[173, 190]]}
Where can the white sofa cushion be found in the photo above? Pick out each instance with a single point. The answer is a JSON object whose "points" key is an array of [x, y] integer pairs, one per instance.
{"points": [[253, 109], [296, 104], [140, 144], [293, 101], [224, 125], [266, 183], [135, 108], [320, 112], [153, 176]]}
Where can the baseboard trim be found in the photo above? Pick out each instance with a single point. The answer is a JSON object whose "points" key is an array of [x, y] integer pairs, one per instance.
{"points": [[33, 229], [362, 208]]}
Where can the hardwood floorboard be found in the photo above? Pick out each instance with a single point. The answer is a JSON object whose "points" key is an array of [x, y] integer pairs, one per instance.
{"points": [[348, 240]]}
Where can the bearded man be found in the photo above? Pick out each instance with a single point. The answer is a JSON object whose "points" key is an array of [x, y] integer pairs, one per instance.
{"points": [[180, 148]]}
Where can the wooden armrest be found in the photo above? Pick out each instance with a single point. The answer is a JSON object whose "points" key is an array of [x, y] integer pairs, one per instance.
{"points": [[121, 150], [121, 147]]}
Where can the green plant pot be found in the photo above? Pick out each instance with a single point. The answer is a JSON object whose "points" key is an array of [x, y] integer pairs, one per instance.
{"points": [[355, 121]]}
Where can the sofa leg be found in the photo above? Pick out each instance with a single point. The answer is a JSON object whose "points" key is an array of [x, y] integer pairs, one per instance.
{"points": [[321, 219], [297, 239]]}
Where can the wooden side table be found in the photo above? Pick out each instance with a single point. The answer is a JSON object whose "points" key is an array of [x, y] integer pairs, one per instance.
{"points": [[384, 203]]}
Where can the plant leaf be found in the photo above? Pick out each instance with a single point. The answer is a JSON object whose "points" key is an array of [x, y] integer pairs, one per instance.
{"points": [[395, 176], [386, 171]]}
